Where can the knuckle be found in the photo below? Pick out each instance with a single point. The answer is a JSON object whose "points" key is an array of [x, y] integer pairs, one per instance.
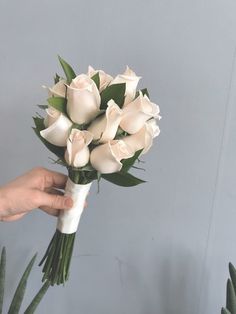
{"points": [[36, 196], [56, 201], [48, 180]]}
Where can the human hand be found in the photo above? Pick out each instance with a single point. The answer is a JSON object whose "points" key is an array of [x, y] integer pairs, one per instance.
{"points": [[37, 188]]}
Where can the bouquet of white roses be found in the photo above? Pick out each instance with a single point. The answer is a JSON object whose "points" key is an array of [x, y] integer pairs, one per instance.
{"points": [[97, 126]]}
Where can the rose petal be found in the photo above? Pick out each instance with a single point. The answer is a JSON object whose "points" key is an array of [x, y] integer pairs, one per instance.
{"points": [[57, 133], [104, 128], [106, 158]]}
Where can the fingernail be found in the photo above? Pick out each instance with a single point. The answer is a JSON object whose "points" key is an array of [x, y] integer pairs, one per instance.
{"points": [[68, 202]]}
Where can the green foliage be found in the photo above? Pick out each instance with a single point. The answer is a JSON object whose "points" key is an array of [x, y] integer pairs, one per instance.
{"points": [[21, 288], [144, 91], [43, 106], [230, 298], [115, 92], [56, 78], [96, 79], [69, 72], [230, 292], [122, 179], [36, 300], [128, 163], [58, 103], [224, 311]]}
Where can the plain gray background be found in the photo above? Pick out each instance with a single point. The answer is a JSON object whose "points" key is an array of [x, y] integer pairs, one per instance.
{"points": [[162, 247]]}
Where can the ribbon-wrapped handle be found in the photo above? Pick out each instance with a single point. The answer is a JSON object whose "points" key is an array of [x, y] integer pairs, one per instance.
{"points": [[68, 220]]}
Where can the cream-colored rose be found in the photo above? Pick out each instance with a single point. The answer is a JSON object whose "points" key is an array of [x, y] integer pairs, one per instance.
{"points": [[106, 158], [131, 80], [83, 99], [105, 78], [57, 90], [57, 127], [77, 152], [143, 139], [104, 127], [137, 112]]}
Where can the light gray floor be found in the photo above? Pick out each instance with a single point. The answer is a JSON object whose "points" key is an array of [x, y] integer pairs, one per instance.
{"points": [[163, 247]]}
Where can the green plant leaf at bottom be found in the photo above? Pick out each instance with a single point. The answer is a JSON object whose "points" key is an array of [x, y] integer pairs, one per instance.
{"points": [[230, 298], [36, 300], [20, 290]]}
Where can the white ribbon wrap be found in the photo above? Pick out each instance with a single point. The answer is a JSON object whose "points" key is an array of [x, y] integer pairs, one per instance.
{"points": [[68, 220]]}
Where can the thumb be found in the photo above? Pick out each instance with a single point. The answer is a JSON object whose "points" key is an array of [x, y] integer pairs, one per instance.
{"points": [[54, 201]]}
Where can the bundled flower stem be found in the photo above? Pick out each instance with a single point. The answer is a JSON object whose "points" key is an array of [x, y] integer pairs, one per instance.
{"points": [[97, 126], [58, 255]]}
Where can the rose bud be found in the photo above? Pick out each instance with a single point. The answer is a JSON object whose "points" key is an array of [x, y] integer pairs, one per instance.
{"points": [[104, 127], [131, 80], [106, 158], [136, 113], [77, 152], [57, 127], [83, 99], [58, 90], [105, 78], [143, 139]]}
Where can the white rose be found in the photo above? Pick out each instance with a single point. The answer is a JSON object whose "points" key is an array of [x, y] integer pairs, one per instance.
{"points": [[105, 78], [106, 158], [58, 90], [131, 80], [143, 139], [104, 127], [57, 127], [137, 112], [77, 152], [83, 99]]}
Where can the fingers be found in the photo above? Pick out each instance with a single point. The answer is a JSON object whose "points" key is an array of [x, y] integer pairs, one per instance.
{"points": [[11, 218], [54, 201], [54, 179], [54, 191], [50, 211]]}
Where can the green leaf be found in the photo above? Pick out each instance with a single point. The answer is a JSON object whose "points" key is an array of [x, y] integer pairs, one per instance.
{"points": [[69, 72], [20, 290], [144, 91], [225, 311], [56, 78], [58, 103], [43, 106], [115, 92], [2, 276], [128, 163], [87, 167], [230, 298], [232, 272], [36, 300], [39, 126], [96, 79], [122, 179]]}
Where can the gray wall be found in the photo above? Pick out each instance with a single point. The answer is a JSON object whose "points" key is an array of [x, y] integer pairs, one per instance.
{"points": [[162, 247]]}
